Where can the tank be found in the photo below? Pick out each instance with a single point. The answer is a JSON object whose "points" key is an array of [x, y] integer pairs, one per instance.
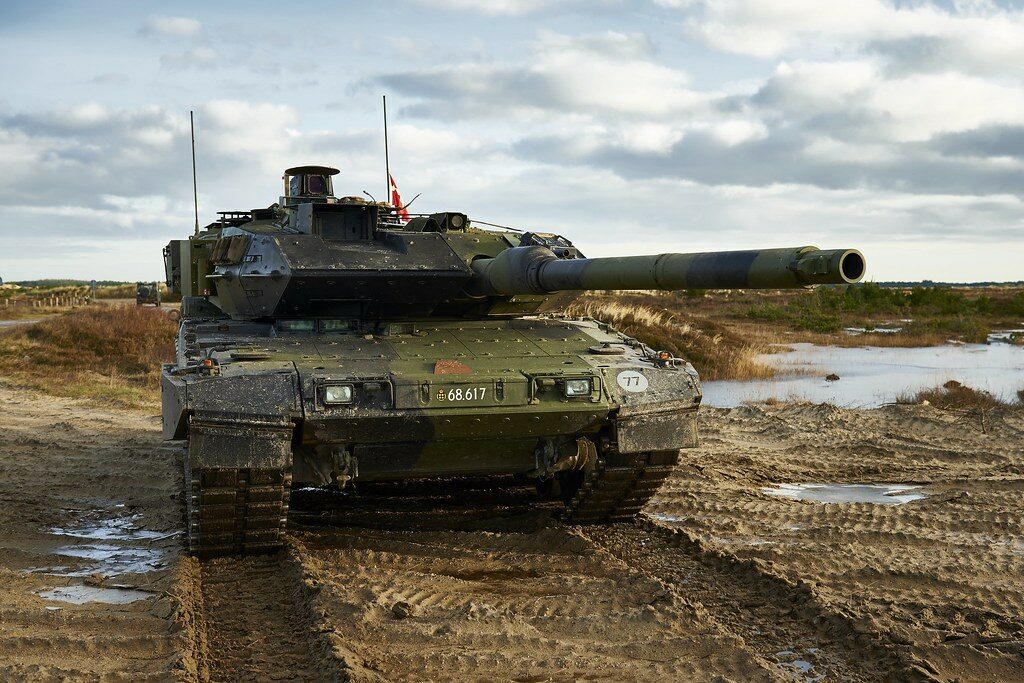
{"points": [[325, 342]]}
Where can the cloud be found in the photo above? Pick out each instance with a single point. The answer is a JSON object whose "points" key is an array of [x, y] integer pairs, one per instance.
{"points": [[891, 122], [987, 141], [198, 57], [171, 27], [111, 78], [607, 73], [602, 101], [855, 99], [977, 37]]}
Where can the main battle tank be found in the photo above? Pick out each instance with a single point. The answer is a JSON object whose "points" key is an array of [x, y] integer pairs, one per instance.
{"points": [[327, 342]]}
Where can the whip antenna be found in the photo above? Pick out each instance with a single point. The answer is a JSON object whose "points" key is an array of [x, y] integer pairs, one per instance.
{"points": [[387, 163], [195, 191]]}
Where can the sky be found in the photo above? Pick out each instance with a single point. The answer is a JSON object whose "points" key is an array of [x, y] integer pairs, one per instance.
{"points": [[629, 126]]}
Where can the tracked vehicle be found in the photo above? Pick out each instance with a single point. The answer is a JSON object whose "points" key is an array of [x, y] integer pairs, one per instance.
{"points": [[325, 342]]}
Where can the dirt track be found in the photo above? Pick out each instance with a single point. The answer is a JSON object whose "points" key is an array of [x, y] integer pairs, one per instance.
{"points": [[723, 582]]}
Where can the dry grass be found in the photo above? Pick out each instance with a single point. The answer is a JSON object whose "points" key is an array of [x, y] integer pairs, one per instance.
{"points": [[954, 396], [111, 354], [766, 335], [713, 350], [972, 406]]}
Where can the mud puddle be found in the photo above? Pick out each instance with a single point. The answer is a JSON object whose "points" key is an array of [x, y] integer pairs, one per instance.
{"points": [[800, 663], [109, 560], [113, 544], [79, 595], [127, 528], [877, 494]]}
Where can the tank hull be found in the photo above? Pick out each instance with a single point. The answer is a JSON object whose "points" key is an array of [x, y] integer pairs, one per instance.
{"points": [[422, 400], [432, 399]]}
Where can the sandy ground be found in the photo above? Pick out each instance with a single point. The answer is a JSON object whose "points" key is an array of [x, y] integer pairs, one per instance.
{"points": [[942, 577], [720, 581], [87, 507]]}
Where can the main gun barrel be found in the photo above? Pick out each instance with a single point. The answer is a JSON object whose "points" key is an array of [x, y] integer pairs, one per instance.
{"points": [[537, 270]]}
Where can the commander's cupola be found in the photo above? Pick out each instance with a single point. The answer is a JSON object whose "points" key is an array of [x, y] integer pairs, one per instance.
{"points": [[308, 185]]}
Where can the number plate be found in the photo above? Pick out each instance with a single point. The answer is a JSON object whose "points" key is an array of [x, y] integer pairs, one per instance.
{"points": [[463, 395]]}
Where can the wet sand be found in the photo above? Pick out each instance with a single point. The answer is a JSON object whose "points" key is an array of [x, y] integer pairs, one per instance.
{"points": [[720, 581]]}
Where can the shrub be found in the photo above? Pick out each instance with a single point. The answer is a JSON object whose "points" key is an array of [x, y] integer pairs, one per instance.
{"points": [[955, 396]]}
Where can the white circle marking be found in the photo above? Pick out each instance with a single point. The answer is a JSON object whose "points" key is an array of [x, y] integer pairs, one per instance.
{"points": [[631, 380]]}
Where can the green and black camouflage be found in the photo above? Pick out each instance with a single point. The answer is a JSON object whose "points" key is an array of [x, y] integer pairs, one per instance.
{"points": [[325, 341]]}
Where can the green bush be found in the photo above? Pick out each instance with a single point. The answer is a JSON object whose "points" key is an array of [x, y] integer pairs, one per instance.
{"points": [[819, 321], [767, 312]]}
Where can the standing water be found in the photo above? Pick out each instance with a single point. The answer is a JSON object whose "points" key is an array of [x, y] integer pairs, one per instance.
{"points": [[871, 376]]}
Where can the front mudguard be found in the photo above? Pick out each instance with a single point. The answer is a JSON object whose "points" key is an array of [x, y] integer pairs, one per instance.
{"points": [[250, 395]]}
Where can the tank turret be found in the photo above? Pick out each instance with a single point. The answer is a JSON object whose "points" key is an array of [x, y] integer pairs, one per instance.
{"points": [[315, 255]]}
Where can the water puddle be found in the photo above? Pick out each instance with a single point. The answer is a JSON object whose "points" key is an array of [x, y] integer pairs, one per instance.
{"points": [[1008, 336], [112, 529], [793, 662], [753, 541], [873, 376], [78, 595], [109, 545], [879, 494], [666, 518], [874, 330], [112, 560]]}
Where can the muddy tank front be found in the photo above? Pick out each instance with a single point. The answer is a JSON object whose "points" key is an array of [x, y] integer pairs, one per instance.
{"points": [[530, 396]]}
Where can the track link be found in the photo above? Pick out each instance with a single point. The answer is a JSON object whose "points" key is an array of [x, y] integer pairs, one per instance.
{"points": [[237, 487], [617, 489], [236, 511]]}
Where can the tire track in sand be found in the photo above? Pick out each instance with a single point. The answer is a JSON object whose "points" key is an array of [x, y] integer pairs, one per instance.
{"points": [[781, 620], [535, 605], [259, 625]]}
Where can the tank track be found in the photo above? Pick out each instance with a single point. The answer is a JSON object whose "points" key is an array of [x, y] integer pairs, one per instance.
{"points": [[617, 489], [235, 511]]}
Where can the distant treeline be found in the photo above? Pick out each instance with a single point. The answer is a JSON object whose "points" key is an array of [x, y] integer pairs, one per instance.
{"points": [[58, 282], [932, 283], [934, 308]]}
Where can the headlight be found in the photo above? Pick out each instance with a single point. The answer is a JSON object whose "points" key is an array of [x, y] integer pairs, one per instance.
{"points": [[338, 393], [577, 387]]}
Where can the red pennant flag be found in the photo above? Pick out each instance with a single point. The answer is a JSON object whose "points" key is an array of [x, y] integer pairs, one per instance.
{"points": [[396, 199]]}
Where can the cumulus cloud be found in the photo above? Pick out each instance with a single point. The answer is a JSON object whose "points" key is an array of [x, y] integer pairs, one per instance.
{"points": [[855, 98], [171, 27], [608, 72], [604, 101], [978, 37]]}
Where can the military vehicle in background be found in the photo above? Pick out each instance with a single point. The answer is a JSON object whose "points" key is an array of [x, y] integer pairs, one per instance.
{"points": [[147, 293], [325, 341]]}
